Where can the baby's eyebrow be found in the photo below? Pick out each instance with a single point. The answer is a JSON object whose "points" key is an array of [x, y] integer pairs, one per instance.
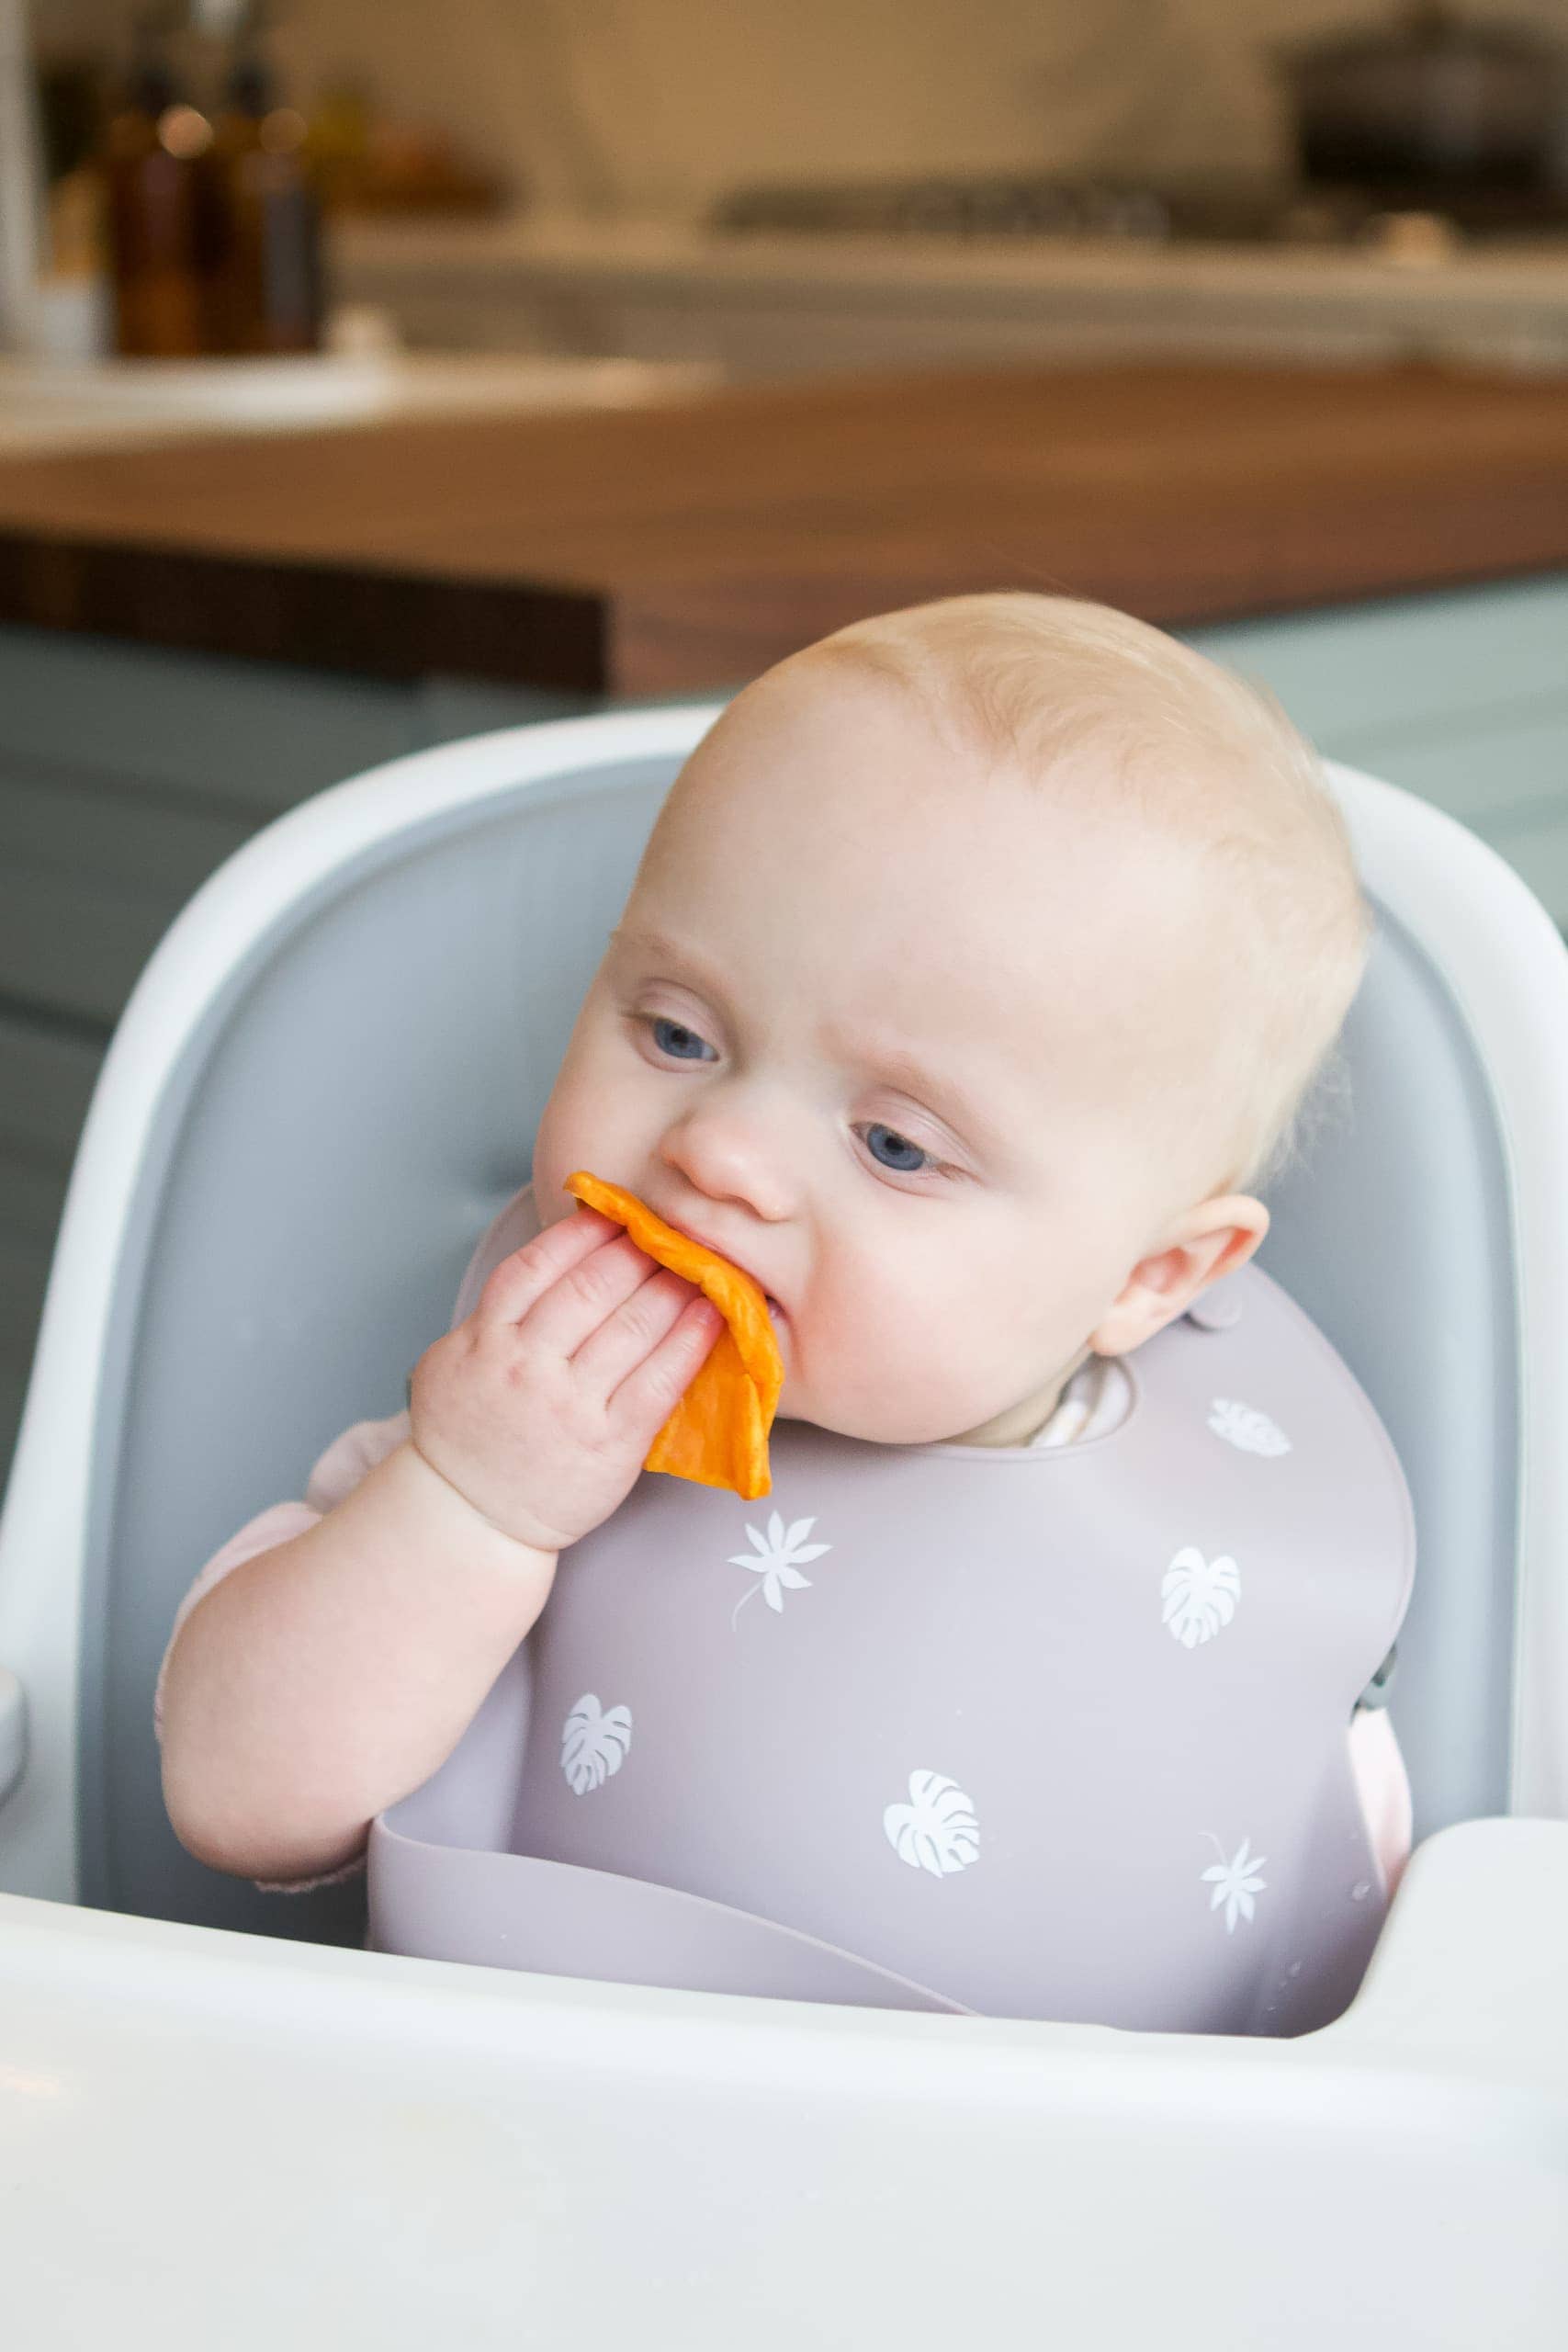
{"points": [[659, 943]]}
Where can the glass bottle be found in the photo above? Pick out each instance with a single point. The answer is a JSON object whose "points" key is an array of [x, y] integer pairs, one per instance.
{"points": [[267, 294], [159, 208]]}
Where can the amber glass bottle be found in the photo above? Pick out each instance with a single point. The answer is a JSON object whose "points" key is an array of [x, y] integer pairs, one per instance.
{"points": [[160, 208], [267, 282]]}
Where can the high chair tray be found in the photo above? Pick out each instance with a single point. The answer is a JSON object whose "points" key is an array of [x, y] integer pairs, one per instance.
{"points": [[208, 2138]]}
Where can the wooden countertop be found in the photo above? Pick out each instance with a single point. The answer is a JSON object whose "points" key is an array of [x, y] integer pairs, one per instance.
{"points": [[685, 545]]}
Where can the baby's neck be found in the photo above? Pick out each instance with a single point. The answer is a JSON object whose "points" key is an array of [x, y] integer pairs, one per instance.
{"points": [[1022, 1422]]}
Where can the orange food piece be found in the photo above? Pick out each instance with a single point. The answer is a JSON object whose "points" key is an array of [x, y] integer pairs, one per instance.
{"points": [[718, 1435]]}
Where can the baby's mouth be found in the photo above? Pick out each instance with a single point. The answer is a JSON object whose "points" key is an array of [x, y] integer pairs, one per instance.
{"points": [[776, 1312]]}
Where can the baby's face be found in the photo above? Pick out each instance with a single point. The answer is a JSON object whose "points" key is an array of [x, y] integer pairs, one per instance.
{"points": [[884, 1029]]}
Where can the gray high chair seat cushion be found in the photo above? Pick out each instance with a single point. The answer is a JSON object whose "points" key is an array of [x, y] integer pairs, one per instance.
{"points": [[362, 1099]]}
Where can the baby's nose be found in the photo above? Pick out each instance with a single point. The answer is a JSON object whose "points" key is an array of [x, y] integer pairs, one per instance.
{"points": [[729, 1153]]}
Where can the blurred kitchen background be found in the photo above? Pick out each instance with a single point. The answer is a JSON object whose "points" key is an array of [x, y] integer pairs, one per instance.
{"points": [[373, 373], [844, 182]]}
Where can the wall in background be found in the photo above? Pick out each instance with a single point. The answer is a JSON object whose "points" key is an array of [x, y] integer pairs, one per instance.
{"points": [[654, 104]]}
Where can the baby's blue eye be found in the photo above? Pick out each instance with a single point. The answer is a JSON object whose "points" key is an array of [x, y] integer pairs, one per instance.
{"points": [[903, 1167], [676, 1040]]}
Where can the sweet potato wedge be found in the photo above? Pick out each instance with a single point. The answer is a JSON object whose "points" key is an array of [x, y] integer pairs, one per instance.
{"points": [[718, 1435]]}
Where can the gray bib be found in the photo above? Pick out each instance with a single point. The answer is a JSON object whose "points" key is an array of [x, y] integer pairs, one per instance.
{"points": [[1034, 1732]]}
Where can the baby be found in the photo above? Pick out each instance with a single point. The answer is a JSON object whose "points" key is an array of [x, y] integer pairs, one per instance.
{"points": [[971, 982]]}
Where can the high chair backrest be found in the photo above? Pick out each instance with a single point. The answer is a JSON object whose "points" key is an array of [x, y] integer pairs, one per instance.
{"points": [[329, 1079]]}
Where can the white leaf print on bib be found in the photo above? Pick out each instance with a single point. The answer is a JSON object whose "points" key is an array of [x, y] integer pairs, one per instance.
{"points": [[1236, 1882], [1200, 1595], [593, 1744], [1244, 1428], [937, 1830], [776, 1561]]}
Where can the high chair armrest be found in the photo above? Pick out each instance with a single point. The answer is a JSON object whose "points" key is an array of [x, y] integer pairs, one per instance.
{"points": [[12, 1732], [1469, 1973]]}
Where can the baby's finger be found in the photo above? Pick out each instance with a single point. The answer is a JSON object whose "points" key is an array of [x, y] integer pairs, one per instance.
{"points": [[651, 1392], [530, 1271], [624, 1338], [574, 1306]]}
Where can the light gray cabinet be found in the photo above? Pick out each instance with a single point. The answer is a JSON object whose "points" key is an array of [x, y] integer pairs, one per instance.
{"points": [[1462, 698], [128, 773]]}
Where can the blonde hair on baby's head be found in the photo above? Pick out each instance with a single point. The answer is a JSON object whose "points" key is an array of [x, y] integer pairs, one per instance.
{"points": [[1064, 690]]}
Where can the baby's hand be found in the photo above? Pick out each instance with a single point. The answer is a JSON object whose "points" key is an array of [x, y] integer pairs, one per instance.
{"points": [[540, 1408]]}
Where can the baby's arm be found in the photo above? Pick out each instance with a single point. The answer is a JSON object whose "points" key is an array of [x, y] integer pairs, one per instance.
{"points": [[321, 1680]]}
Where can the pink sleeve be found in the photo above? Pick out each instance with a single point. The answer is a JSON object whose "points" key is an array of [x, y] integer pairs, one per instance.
{"points": [[346, 1461], [1384, 1791]]}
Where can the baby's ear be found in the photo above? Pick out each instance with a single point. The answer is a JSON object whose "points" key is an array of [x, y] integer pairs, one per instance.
{"points": [[1209, 1241]]}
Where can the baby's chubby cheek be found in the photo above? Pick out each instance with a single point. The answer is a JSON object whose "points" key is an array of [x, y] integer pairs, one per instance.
{"points": [[896, 1368]]}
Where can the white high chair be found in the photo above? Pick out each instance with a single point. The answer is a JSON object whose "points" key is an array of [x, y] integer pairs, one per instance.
{"points": [[326, 1083]]}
